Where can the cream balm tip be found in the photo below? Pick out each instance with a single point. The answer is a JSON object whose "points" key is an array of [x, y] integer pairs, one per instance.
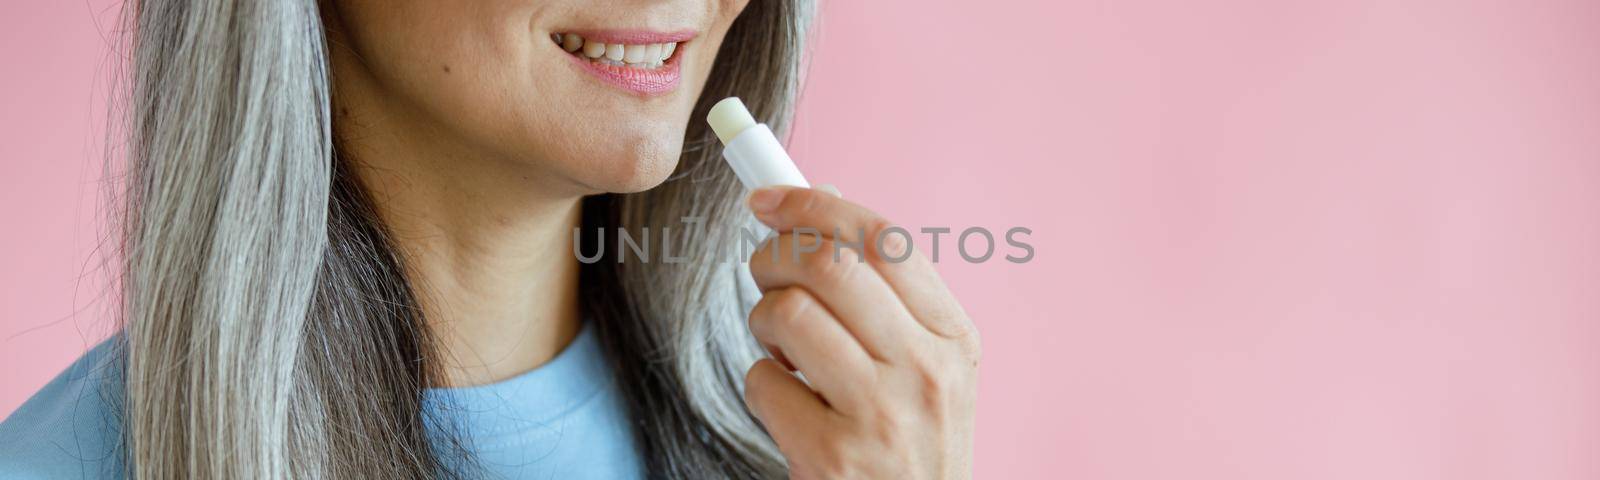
{"points": [[728, 118]]}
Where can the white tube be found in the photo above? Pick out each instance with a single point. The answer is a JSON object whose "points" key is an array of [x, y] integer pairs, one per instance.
{"points": [[751, 149], [758, 159]]}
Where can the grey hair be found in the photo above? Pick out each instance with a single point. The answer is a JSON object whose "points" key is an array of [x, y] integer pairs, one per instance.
{"points": [[228, 188], [269, 331]]}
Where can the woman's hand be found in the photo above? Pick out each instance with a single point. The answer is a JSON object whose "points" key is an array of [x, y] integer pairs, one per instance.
{"points": [[890, 360]]}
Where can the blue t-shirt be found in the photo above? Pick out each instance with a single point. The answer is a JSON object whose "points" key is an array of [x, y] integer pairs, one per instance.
{"points": [[565, 419]]}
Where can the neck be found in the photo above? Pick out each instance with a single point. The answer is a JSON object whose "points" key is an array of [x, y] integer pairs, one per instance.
{"points": [[486, 246], [497, 282]]}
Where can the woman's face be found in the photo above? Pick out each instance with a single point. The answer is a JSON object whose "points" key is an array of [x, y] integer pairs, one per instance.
{"points": [[490, 78]]}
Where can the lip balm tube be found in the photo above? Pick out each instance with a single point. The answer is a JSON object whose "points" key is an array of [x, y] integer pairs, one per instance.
{"points": [[751, 148], [758, 159]]}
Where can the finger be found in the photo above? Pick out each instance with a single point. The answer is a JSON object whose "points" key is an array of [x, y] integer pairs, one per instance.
{"points": [[860, 299], [789, 410], [888, 248], [791, 321], [828, 187]]}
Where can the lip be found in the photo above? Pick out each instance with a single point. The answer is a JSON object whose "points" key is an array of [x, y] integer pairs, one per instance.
{"points": [[647, 82], [633, 37]]}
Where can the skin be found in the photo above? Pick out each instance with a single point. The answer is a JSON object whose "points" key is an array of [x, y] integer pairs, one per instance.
{"points": [[477, 138], [889, 357]]}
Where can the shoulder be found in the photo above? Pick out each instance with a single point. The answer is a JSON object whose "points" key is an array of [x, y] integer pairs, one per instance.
{"points": [[71, 428]]}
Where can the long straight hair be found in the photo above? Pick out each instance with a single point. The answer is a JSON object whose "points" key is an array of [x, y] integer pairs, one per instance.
{"points": [[269, 328]]}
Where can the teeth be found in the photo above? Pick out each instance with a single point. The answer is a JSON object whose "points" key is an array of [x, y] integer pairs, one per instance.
{"points": [[594, 49], [634, 54], [650, 55]]}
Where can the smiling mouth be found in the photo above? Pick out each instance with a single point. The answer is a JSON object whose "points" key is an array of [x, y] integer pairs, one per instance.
{"points": [[641, 62], [646, 56]]}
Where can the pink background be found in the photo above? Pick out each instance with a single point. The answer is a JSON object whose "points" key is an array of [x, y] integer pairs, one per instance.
{"points": [[1275, 239]]}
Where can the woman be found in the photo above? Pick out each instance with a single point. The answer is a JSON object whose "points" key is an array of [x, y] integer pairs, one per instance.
{"points": [[348, 253]]}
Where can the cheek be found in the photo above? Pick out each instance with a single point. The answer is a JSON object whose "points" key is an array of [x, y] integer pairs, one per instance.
{"points": [[732, 8], [479, 80], [463, 70]]}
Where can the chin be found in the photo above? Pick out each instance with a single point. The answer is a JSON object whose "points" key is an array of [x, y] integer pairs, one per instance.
{"points": [[633, 167]]}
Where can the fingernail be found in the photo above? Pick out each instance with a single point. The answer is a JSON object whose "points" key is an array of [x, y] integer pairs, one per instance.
{"points": [[766, 200], [828, 187]]}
